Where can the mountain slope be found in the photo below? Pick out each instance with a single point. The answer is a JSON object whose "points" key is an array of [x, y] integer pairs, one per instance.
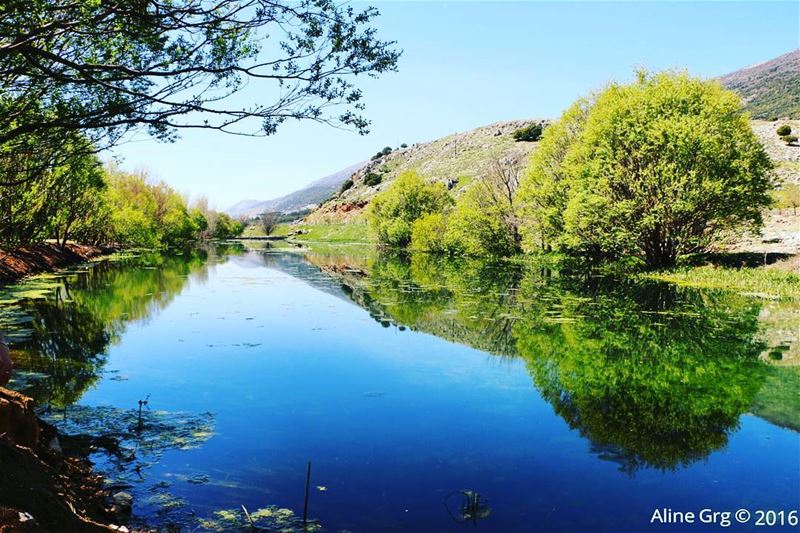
{"points": [[309, 196], [458, 158], [771, 89]]}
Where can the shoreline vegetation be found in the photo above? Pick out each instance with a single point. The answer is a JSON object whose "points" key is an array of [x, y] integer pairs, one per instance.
{"points": [[777, 281], [652, 171]]}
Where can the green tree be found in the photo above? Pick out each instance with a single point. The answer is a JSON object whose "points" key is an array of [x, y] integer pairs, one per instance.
{"points": [[200, 220], [103, 68], [372, 179], [428, 233], [346, 184], [393, 211], [227, 227], [80, 200], [544, 187], [133, 209], [659, 169], [482, 224], [148, 214], [783, 129], [55, 197]]}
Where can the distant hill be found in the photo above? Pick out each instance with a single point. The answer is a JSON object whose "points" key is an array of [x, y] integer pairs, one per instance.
{"points": [[458, 159], [309, 196], [771, 89]]}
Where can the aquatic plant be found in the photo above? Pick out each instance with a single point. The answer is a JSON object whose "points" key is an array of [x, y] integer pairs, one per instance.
{"points": [[269, 518]]}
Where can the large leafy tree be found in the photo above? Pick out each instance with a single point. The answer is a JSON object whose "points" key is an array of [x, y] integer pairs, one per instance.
{"points": [[104, 67], [656, 169], [542, 195]]}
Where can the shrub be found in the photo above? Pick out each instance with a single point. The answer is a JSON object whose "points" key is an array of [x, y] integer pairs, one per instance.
{"points": [[783, 130], [479, 226], [386, 151], [627, 182], [404, 145], [789, 139], [393, 212], [372, 179], [428, 233], [346, 184], [530, 133]]}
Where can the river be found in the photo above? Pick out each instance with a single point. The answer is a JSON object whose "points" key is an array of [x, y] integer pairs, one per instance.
{"points": [[428, 395]]}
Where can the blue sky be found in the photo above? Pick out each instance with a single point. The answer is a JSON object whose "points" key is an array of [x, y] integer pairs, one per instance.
{"points": [[466, 64]]}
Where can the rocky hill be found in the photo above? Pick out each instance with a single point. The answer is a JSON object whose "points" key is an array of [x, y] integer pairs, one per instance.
{"points": [[781, 232], [454, 160], [771, 89], [308, 197]]}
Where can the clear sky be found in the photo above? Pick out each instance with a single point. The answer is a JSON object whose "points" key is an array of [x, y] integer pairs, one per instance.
{"points": [[466, 64]]}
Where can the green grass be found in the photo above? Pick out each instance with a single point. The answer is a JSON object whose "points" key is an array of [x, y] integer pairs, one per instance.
{"points": [[760, 282], [333, 233]]}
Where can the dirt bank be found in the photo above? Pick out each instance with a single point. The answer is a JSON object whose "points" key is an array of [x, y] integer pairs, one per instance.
{"points": [[36, 258], [41, 487]]}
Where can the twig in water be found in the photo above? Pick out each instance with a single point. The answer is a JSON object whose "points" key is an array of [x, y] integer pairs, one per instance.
{"points": [[305, 504], [249, 518], [140, 424]]}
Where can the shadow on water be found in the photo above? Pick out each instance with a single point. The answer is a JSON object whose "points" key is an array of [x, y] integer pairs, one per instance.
{"points": [[652, 374]]}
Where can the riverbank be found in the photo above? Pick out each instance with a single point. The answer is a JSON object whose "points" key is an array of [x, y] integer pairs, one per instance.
{"points": [[777, 280], [43, 488], [45, 257]]}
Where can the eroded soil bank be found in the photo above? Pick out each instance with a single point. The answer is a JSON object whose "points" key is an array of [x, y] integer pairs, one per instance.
{"points": [[44, 257], [43, 488]]}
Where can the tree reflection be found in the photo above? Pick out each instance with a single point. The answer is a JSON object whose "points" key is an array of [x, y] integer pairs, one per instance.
{"points": [[650, 373], [653, 375], [68, 334]]}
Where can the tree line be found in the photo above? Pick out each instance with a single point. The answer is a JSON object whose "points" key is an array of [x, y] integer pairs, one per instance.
{"points": [[85, 201], [657, 169], [77, 76]]}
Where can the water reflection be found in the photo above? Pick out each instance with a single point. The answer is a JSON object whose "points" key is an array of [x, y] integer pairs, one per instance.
{"points": [[65, 326], [652, 374]]}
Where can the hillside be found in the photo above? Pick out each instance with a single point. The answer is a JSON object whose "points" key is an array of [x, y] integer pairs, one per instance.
{"points": [[771, 89], [781, 232], [309, 196], [459, 157]]}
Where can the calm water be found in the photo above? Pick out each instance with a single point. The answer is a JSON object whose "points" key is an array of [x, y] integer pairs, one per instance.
{"points": [[566, 402]]}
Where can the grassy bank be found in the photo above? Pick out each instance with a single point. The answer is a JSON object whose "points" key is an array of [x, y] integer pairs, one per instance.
{"points": [[763, 282], [332, 233]]}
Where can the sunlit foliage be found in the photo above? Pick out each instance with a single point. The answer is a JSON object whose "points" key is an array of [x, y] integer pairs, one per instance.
{"points": [[410, 197], [654, 169]]}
